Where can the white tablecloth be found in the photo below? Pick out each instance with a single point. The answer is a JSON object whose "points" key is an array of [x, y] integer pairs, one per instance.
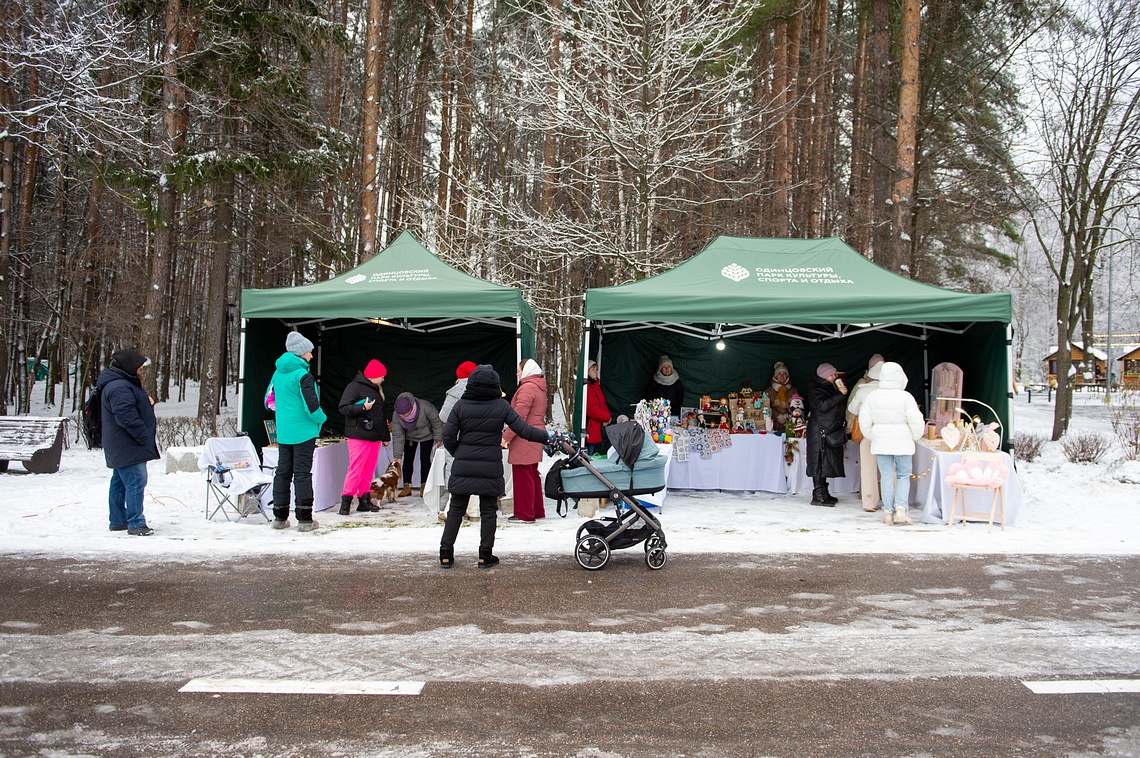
{"points": [[798, 480], [330, 465], [753, 462], [931, 492]]}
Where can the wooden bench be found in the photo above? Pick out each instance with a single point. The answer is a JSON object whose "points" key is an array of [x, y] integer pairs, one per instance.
{"points": [[35, 441]]}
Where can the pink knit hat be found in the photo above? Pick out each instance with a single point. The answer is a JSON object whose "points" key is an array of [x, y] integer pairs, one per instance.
{"points": [[374, 369], [825, 370], [876, 358]]}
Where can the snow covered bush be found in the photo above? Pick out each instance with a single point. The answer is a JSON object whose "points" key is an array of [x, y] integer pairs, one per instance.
{"points": [[1027, 446], [189, 431], [1085, 447], [1125, 414]]}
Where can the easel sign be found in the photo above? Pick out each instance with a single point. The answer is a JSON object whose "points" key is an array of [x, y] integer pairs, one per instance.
{"points": [[271, 432]]}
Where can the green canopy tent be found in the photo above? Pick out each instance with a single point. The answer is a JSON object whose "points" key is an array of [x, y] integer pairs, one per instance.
{"points": [[803, 302], [405, 307]]}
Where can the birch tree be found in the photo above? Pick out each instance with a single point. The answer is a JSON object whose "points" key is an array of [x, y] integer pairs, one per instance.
{"points": [[1086, 80]]}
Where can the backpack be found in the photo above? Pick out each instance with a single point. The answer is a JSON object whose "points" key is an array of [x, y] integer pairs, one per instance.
{"points": [[92, 420]]}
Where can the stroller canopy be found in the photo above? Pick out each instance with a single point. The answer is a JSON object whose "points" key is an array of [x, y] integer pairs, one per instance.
{"points": [[630, 441]]}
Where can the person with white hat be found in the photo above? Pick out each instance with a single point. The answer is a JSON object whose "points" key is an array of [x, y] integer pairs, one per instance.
{"points": [[868, 468]]}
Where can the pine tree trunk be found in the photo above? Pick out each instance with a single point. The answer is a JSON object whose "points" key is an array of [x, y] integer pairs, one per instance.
{"points": [[782, 170], [370, 124], [883, 149], [860, 194], [903, 195]]}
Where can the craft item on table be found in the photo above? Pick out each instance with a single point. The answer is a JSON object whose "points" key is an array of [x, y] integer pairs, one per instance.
{"points": [[719, 438], [681, 445], [698, 442], [738, 427], [988, 438], [723, 423], [946, 391], [797, 417], [791, 447], [951, 436], [706, 403], [768, 423], [978, 474]]}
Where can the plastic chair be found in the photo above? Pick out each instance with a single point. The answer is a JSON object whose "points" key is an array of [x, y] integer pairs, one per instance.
{"points": [[978, 471], [235, 478]]}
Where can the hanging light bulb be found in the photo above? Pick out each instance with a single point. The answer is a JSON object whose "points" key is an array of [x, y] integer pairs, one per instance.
{"points": [[720, 344]]}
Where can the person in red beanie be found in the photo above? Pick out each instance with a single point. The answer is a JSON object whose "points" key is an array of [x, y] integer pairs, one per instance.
{"points": [[461, 373], [366, 428]]}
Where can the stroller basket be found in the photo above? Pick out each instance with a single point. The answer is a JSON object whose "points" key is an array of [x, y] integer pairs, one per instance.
{"points": [[640, 470]]}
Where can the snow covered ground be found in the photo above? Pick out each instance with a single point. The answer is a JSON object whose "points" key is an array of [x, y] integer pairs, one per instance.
{"points": [[1073, 509]]}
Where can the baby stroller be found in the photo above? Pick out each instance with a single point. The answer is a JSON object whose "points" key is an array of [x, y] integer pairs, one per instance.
{"points": [[639, 470]]}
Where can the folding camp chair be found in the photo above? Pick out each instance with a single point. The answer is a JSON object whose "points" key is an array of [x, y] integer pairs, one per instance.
{"points": [[235, 478]]}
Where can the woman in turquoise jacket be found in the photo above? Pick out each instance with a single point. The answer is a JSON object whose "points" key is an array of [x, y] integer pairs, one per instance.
{"points": [[299, 420]]}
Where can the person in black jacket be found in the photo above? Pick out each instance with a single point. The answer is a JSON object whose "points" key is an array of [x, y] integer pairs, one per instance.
{"points": [[128, 439], [827, 408], [473, 435], [366, 427], [666, 384]]}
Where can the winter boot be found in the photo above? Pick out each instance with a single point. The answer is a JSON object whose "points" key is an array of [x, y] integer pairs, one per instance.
{"points": [[305, 521], [827, 496], [901, 516], [346, 505], [446, 557], [486, 560], [819, 494], [406, 491], [888, 517], [364, 504]]}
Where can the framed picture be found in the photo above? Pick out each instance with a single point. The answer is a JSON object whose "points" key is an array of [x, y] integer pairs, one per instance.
{"points": [[271, 432]]}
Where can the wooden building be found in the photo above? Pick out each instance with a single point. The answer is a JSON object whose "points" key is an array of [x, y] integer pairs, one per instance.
{"points": [[1090, 368]]}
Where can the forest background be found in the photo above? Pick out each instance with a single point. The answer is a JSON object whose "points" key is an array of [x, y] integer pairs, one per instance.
{"points": [[157, 156]]}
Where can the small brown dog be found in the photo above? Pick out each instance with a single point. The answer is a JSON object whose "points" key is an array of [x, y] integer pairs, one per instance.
{"points": [[385, 487]]}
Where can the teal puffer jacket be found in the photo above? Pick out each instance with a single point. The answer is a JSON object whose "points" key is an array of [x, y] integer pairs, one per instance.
{"points": [[299, 413]]}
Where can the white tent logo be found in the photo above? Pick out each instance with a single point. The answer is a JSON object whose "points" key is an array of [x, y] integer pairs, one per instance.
{"points": [[735, 272], [355, 279]]}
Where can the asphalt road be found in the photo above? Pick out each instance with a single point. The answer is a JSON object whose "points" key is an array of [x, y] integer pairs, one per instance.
{"points": [[711, 656]]}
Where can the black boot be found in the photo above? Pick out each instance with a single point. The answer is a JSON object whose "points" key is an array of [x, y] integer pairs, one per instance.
{"points": [[364, 504], [446, 557], [819, 493], [486, 560], [346, 504], [827, 496], [305, 521]]}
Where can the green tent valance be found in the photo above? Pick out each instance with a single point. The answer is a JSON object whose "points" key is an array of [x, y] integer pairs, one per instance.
{"points": [[403, 281], [742, 280]]}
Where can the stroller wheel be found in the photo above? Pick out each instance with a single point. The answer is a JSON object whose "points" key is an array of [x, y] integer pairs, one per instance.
{"points": [[652, 542], [593, 552], [655, 558]]}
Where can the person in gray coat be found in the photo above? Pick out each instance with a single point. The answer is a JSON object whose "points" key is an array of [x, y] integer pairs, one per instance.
{"points": [[415, 424]]}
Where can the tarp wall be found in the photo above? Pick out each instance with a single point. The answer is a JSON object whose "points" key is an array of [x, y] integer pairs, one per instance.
{"points": [[421, 364]]}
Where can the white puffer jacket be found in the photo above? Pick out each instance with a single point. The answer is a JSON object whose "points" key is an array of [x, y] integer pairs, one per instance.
{"points": [[889, 416]]}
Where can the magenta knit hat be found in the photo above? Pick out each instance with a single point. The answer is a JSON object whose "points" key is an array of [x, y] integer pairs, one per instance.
{"points": [[374, 369]]}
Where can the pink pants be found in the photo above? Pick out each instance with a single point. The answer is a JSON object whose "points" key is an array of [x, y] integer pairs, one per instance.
{"points": [[362, 457], [528, 492]]}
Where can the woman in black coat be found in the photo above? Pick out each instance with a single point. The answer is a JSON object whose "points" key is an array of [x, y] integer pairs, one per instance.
{"points": [[827, 407], [473, 436], [366, 427]]}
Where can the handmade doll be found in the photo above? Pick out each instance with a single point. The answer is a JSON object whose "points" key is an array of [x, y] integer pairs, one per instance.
{"points": [[796, 416]]}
